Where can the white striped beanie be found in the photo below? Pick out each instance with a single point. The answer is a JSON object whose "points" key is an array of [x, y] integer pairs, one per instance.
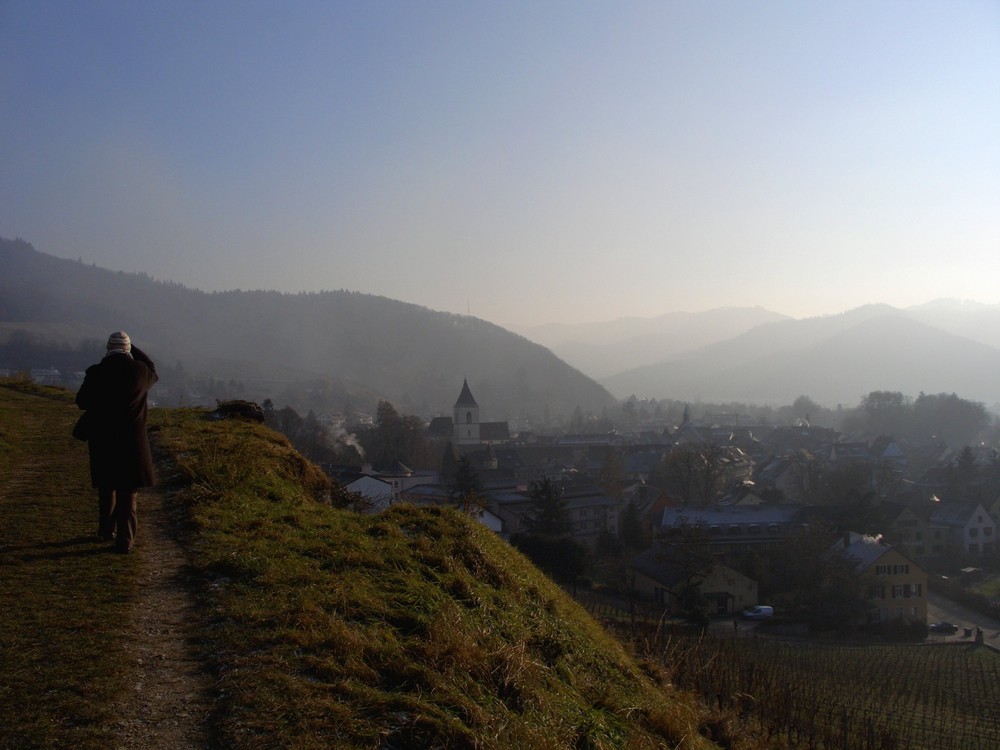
{"points": [[119, 341]]}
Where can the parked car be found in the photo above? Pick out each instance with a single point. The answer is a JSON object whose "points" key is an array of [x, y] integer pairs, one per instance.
{"points": [[943, 628], [760, 612]]}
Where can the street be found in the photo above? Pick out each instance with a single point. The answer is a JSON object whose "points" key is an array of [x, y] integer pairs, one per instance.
{"points": [[940, 609]]}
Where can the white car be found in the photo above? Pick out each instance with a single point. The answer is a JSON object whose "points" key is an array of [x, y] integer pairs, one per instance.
{"points": [[760, 612]]}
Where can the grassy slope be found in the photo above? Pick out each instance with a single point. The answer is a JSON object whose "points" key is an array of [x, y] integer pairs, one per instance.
{"points": [[324, 628], [62, 599]]}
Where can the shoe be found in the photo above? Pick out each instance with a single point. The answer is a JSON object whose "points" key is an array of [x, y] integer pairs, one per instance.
{"points": [[121, 550]]}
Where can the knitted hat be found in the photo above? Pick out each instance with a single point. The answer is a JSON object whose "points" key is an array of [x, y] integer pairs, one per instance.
{"points": [[119, 341]]}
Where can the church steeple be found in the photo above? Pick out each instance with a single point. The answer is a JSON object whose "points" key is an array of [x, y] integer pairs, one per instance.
{"points": [[466, 416], [465, 397]]}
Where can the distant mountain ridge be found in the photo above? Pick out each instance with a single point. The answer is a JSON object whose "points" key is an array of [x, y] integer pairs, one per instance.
{"points": [[834, 360], [373, 346], [604, 349]]}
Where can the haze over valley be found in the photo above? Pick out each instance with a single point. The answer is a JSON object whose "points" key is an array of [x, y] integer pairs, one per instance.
{"points": [[345, 351]]}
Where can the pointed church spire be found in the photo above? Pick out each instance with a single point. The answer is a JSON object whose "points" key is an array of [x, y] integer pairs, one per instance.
{"points": [[465, 397]]}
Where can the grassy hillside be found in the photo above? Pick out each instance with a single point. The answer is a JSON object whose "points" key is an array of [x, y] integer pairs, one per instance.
{"points": [[320, 627]]}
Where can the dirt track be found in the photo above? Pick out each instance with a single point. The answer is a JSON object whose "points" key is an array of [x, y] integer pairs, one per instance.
{"points": [[169, 702]]}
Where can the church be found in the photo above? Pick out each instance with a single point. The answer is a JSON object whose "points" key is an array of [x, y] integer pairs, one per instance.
{"points": [[464, 427]]}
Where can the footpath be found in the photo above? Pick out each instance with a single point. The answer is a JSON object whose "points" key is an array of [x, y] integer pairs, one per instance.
{"points": [[167, 704]]}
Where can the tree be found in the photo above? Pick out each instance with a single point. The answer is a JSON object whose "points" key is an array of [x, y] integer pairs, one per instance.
{"points": [[886, 412], [630, 530], [612, 474], [692, 604], [550, 508], [464, 487], [312, 439], [388, 439], [396, 437], [694, 472], [805, 410], [948, 418], [448, 461], [964, 475], [676, 472]]}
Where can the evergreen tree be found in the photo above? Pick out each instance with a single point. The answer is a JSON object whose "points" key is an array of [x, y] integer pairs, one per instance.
{"points": [[550, 508], [630, 529], [465, 489]]}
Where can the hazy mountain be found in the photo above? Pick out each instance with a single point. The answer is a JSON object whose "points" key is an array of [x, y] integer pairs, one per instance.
{"points": [[972, 320], [832, 359], [370, 346], [603, 349]]}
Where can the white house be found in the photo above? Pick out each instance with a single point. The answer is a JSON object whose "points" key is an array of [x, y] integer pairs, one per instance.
{"points": [[376, 491], [970, 527]]}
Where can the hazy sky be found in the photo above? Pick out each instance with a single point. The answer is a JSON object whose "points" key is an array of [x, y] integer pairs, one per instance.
{"points": [[529, 162]]}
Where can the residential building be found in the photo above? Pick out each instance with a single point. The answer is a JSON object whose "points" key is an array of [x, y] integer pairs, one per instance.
{"points": [[893, 586], [971, 529], [663, 572], [733, 529]]}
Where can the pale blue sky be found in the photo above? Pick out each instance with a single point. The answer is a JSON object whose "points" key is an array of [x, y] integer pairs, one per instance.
{"points": [[531, 162]]}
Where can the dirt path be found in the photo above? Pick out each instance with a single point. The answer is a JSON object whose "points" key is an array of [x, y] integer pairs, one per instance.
{"points": [[169, 701]]}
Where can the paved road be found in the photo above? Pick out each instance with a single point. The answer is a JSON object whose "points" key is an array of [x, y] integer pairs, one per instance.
{"points": [[940, 609]]}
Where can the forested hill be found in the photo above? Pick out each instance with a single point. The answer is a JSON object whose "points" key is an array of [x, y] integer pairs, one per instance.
{"points": [[373, 347]]}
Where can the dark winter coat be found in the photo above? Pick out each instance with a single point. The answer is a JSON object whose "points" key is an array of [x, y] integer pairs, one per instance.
{"points": [[114, 395]]}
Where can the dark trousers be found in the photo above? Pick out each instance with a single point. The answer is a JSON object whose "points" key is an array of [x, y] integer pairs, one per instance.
{"points": [[117, 515]]}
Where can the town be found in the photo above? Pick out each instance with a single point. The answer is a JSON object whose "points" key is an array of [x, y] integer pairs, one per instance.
{"points": [[838, 533]]}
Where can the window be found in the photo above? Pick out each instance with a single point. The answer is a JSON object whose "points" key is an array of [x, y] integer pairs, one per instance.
{"points": [[754, 529], [973, 533], [735, 529], [988, 531], [919, 536]]}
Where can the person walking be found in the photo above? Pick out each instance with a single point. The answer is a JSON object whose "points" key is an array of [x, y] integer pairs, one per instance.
{"points": [[114, 395]]}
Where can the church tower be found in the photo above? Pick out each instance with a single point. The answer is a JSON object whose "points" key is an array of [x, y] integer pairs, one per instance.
{"points": [[466, 417]]}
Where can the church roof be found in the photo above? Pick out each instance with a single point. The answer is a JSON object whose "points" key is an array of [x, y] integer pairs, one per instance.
{"points": [[465, 397], [499, 431]]}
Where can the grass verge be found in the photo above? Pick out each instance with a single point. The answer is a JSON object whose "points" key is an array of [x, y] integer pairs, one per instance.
{"points": [[62, 595]]}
